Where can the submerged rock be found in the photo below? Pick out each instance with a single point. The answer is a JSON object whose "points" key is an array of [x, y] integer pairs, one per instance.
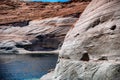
{"points": [[38, 35], [91, 50]]}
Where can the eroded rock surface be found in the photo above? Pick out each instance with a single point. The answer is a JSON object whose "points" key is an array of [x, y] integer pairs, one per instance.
{"points": [[47, 34], [12, 11], [91, 50]]}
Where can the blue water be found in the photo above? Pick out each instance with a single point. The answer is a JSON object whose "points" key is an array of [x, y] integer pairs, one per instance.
{"points": [[50, 0], [25, 67]]}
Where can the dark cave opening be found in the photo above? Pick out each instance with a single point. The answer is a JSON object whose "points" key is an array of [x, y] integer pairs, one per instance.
{"points": [[42, 43]]}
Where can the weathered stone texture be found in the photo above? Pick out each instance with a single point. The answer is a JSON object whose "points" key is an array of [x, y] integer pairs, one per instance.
{"points": [[91, 50], [38, 35]]}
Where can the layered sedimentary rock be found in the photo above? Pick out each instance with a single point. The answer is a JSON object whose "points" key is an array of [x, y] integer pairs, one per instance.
{"points": [[91, 50], [19, 11], [37, 35]]}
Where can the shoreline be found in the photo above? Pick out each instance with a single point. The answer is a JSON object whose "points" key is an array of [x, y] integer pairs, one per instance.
{"points": [[54, 52], [41, 52]]}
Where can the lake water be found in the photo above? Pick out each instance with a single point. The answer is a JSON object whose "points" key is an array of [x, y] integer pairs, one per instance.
{"points": [[25, 67]]}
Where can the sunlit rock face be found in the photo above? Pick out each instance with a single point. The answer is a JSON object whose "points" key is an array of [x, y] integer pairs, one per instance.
{"points": [[37, 35], [91, 50]]}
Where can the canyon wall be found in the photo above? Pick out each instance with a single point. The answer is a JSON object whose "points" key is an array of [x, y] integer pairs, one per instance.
{"points": [[20, 34], [17, 11], [38, 35], [91, 50]]}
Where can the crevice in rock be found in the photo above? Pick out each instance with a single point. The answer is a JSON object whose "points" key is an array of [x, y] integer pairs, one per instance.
{"points": [[85, 57], [64, 57], [76, 35], [6, 48], [103, 58], [93, 24], [113, 27]]}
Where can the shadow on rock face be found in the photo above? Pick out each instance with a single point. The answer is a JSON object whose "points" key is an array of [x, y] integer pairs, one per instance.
{"points": [[17, 24], [41, 44], [37, 35]]}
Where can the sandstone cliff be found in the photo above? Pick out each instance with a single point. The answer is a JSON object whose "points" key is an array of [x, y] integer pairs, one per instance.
{"points": [[15, 11], [37, 35], [91, 50], [20, 34]]}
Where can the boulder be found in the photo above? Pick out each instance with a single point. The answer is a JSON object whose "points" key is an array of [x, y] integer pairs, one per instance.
{"points": [[91, 50]]}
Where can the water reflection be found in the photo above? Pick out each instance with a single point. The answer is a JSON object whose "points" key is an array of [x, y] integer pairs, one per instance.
{"points": [[25, 67]]}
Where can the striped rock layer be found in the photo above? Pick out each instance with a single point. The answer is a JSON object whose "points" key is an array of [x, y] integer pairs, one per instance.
{"points": [[91, 50]]}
